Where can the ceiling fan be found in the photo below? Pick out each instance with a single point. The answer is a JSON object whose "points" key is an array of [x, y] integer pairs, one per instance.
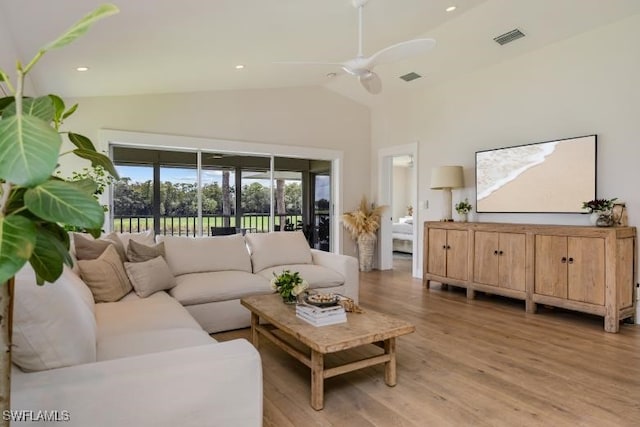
{"points": [[362, 66]]}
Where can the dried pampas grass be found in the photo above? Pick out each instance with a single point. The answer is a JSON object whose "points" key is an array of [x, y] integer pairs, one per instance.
{"points": [[365, 220]]}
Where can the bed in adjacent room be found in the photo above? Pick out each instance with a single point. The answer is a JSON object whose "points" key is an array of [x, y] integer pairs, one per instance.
{"points": [[402, 234]]}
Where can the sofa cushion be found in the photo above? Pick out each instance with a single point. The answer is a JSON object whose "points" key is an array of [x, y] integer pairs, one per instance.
{"points": [[159, 311], [200, 288], [150, 276], [144, 237], [136, 343], [316, 275], [278, 248], [139, 252], [53, 325], [106, 276], [197, 255], [88, 248]]}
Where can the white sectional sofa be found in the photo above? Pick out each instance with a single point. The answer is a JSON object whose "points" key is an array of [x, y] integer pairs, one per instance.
{"points": [[150, 361], [214, 273]]}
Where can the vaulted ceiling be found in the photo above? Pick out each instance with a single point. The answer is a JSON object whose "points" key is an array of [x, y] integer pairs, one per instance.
{"points": [[162, 46]]}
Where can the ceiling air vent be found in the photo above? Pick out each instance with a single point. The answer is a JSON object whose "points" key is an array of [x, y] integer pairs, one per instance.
{"points": [[410, 76], [509, 37]]}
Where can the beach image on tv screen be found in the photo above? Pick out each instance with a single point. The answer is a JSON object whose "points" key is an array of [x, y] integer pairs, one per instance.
{"points": [[554, 176]]}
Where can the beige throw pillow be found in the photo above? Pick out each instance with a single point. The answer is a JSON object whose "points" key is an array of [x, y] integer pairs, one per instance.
{"points": [[105, 276], [137, 252], [87, 248], [150, 276]]}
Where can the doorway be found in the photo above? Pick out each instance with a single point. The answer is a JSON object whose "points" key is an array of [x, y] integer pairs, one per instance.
{"points": [[397, 187]]}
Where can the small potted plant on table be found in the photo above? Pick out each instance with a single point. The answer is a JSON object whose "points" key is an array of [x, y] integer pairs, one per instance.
{"points": [[463, 208], [601, 211]]}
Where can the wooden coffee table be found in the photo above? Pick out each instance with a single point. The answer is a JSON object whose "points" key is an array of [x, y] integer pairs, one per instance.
{"points": [[360, 329]]}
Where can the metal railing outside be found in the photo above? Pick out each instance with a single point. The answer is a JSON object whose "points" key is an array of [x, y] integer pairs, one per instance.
{"points": [[188, 225]]}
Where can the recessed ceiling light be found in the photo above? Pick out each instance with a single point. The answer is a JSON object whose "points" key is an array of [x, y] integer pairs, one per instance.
{"points": [[450, 9], [239, 67], [331, 75], [82, 69]]}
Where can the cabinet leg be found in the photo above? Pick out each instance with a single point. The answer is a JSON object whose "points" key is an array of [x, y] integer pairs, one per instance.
{"points": [[471, 293], [612, 323], [427, 283], [530, 306]]}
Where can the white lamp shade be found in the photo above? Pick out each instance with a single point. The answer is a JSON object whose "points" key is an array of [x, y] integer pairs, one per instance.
{"points": [[447, 177]]}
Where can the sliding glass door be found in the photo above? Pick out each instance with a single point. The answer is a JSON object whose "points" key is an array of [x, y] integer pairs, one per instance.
{"points": [[204, 193]]}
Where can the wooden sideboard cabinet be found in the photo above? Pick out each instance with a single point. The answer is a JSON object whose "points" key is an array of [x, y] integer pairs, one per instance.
{"points": [[587, 269], [446, 258]]}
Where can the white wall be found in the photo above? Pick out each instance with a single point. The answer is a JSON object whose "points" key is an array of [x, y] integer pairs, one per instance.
{"points": [[584, 85], [305, 117]]}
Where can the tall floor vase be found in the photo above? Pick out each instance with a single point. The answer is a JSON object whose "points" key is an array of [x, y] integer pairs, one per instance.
{"points": [[366, 249]]}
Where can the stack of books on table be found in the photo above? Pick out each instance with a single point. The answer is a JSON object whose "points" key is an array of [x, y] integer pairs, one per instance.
{"points": [[321, 316]]}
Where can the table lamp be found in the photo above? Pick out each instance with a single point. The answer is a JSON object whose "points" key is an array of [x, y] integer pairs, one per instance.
{"points": [[445, 178]]}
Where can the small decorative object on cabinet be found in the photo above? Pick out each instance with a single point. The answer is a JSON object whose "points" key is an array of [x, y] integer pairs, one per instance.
{"points": [[619, 213], [585, 269], [362, 224], [601, 211], [463, 208]]}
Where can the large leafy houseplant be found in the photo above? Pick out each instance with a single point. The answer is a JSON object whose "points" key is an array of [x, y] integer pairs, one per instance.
{"points": [[35, 204]]}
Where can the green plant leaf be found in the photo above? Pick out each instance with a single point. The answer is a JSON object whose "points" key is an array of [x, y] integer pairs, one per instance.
{"points": [[81, 142], [47, 257], [98, 159], [41, 108], [65, 203], [70, 111], [58, 107], [17, 241], [81, 27], [29, 150], [5, 102], [60, 233], [87, 185], [95, 232]]}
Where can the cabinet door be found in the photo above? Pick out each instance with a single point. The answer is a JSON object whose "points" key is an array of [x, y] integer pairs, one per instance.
{"points": [[485, 258], [512, 256], [551, 266], [586, 261], [457, 254], [437, 259]]}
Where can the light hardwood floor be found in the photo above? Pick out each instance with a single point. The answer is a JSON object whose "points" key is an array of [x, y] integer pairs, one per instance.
{"points": [[479, 363]]}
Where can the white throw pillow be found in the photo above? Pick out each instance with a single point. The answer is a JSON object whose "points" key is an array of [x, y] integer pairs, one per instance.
{"points": [[149, 277], [278, 248], [53, 326]]}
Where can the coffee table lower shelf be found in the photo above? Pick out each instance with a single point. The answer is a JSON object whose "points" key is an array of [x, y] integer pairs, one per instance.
{"points": [[316, 360]]}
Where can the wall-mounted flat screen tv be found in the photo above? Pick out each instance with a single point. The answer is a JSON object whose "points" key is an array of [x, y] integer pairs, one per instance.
{"points": [[546, 177]]}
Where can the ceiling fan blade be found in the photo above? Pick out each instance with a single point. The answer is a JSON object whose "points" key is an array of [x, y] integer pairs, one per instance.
{"points": [[336, 64], [400, 51], [371, 82]]}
